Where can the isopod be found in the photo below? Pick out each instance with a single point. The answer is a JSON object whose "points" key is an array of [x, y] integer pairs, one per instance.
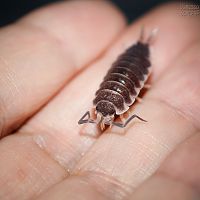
{"points": [[122, 84]]}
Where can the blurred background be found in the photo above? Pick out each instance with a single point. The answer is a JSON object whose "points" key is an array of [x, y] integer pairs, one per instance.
{"points": [[10, 10]]}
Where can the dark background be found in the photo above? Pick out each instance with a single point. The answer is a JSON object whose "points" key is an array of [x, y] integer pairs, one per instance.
{"points": [[10, 10]]}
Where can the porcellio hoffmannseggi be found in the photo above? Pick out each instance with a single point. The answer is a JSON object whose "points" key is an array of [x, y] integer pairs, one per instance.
{"points": [[122, 85]]}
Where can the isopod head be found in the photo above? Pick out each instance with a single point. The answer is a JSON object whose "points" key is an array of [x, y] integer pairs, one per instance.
{"points": [[105, 112]]}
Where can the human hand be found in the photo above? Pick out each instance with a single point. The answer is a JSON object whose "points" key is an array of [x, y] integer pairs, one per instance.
{"points": [[51, 63]]}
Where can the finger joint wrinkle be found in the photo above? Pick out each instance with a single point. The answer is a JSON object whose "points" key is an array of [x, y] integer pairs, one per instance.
{"points": [[107, 185], [10, 82], [177, 111], [52, 38], [40, 142]]}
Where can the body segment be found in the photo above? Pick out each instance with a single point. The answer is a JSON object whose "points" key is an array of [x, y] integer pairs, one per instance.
{"points": [[122, 84], [125, 79]]}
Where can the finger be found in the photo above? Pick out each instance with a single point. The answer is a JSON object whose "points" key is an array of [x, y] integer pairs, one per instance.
{"points": [[175, 34], [129, 160], [23, 175], [162, 187], [183, 163], [119, 162], [178, 177], [41, 52]]}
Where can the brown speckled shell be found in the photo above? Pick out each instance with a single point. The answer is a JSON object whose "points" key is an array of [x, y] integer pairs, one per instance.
{"points": [[123, 81]]}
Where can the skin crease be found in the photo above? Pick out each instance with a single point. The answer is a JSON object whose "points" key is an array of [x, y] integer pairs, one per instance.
{"points": [[49, 157]]}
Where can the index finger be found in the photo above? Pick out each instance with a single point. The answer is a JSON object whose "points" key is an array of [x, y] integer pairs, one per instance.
{"points": [[40, 53]]}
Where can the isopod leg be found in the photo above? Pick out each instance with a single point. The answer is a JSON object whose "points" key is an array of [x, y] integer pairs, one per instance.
{"points": [[122, 125], [102, 126], [147, 86], [139, 99], [122, 118], [87, 120]]}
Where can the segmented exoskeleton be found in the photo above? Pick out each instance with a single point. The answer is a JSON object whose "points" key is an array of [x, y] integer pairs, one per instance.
{"points": [[122, 84]]}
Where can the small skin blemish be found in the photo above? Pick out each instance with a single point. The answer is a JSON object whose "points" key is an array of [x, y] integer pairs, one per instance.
{"points": [[21, 175]]}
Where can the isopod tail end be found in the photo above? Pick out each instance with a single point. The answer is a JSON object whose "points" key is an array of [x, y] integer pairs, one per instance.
{"points": [[150, 39], [141, 39], [152, 36]]}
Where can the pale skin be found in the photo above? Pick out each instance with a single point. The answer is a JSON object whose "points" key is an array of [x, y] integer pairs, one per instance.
{"points": [[40, 83]]}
